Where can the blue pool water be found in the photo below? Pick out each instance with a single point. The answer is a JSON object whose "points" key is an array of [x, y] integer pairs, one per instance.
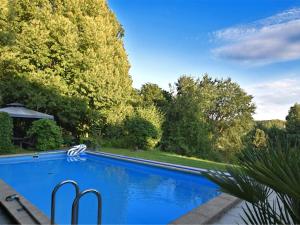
{"points": [[132, 193]]}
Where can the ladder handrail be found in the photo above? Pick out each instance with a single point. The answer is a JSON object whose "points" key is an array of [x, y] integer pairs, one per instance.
{"points": [[75, 206], [53, 196]]}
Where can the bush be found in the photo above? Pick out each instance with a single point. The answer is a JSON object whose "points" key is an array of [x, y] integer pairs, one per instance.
{"points": [[6, 131], [142, 130], [68, 138], [139, 133], [46, 134]]}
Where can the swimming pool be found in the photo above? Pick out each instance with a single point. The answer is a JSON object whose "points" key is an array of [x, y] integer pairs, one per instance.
{"points": [[132, 193]]}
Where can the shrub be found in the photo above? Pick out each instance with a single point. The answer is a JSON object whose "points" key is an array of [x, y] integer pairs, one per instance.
{"points": [[6, 131], [139, 133], [68, 138], [259, 139], [46, 134], [142, 130]]}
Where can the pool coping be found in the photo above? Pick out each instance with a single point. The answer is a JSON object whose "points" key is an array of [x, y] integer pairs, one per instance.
{"points": [[32, 153], [205, 214], [165, 165], [15, 209], [209, 212]]}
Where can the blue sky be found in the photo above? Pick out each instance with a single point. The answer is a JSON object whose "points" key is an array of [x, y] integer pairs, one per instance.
{"points": [[255, 42]]}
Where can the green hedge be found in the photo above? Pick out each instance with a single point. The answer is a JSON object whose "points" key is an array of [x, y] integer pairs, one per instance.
{"points": [[46, 133], [6, 131]]}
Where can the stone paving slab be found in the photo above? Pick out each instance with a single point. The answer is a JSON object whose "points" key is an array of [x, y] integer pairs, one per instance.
{"points": [[210, 212]]}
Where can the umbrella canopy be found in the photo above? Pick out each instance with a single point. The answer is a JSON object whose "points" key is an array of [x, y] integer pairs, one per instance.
{"points": [[18, 110]]}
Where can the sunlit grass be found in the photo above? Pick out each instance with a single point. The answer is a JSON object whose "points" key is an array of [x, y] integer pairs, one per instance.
{"points": [[167, 157]]}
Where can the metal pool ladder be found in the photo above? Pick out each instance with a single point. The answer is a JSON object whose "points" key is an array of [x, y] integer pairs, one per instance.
{"points": [[75, 205]]}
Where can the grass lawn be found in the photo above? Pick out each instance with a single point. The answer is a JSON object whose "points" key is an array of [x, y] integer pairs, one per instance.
{"points": [[16, 150], [167, 157]]}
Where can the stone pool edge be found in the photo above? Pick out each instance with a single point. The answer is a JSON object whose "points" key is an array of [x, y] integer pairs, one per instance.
{"points": [[15, 209], [165, 165], [209, 212]]}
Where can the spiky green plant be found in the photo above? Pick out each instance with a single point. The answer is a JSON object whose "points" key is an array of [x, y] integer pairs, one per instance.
{"points": [[268, 180]]}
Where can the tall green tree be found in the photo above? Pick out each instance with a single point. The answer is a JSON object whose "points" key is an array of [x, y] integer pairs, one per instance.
{"points": [[228, 108], [185, 130], [152, 94], [293, 120], [66, 58], [217, 110]]}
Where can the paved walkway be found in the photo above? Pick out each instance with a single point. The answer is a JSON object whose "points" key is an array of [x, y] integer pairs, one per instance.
{"points": [[232, 216]]}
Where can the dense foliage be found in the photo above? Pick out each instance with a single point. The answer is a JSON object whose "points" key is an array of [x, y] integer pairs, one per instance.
{"points": [[152, 94], [46, 134], [293, 120], [271, 123], [207, 113], [270, 132], [6, 131], [185, 130], [65, 58], [259, 139], [261, 174], [140, 130]]}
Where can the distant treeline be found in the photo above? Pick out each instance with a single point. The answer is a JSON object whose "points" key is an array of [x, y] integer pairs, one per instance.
{"points": [[271, 123]]}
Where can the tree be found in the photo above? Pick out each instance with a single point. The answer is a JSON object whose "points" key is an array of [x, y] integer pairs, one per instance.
{"points": [[214, 113], [142, 130], [65, 58], [271, 123], [6, 131], [185, 130], [152, 94], [228, 109], [293, 120]]}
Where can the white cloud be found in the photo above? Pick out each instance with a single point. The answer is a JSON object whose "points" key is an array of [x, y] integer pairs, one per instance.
{"points": [[273, 99], [274, 39]]}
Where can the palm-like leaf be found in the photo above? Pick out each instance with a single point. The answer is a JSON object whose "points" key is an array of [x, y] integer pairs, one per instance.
{"points": [[262, 172]]}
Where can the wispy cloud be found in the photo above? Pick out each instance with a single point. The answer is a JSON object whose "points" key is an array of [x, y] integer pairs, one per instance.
{"points": [[273, 99], [273, 39]]}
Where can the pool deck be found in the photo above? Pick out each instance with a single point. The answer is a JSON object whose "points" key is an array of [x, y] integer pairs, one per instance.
{"points": [[210, 212], [16, 211]]}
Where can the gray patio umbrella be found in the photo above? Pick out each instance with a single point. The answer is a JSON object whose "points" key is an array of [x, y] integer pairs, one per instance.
{"points": [[17, 110]]}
